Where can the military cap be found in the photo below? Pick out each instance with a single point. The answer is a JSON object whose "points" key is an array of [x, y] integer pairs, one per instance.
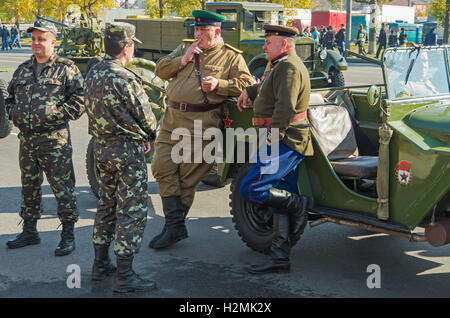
{"points": [[205, 18], [120, 31], [43, 26], [280, 30]]}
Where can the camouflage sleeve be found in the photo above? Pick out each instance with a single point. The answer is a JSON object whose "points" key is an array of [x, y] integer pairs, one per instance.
{"points": [[168, 66], [137, 104], [287, 82], [238, 79], [73, 106], [10, 101]]}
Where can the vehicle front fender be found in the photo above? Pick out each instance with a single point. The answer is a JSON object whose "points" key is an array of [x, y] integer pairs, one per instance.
{"points": [[336, 60]]}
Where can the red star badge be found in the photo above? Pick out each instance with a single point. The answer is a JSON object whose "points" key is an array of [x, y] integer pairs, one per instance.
{"points": [[227, 122]]}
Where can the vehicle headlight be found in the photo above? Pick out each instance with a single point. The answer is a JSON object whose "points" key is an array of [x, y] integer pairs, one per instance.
{"points": [[323, 54]]}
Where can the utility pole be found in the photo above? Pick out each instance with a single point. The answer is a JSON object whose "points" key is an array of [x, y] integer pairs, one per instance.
{"points": [[446, 22], [373, 25], [348, 26]]}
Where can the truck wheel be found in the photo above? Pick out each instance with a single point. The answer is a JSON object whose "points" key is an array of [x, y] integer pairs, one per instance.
{"points": [[92, 173], [213, 179], [5, 124], [337, 78]]}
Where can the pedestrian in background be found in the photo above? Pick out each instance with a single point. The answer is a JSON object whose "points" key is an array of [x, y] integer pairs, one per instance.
{"points": [[340, 40], [403, 37], [431, 37], [5, 38], [392, 39], [382, 39], [15, 37], [361, 40]]}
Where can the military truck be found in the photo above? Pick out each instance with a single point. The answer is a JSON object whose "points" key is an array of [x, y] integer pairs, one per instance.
{"points": [[242, 29]]}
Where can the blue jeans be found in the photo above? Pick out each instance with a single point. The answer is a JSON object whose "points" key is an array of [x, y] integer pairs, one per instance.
{"points": [[16, 40], [255, 186], [4, 44], [342, 48]]}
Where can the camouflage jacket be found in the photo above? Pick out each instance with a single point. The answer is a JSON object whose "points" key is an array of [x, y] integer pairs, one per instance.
{"points": [[47, 101], [116, 103]]}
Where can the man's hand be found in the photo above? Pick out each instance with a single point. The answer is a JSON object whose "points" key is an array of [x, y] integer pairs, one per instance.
{"points": [[147, 147], [209, 83], [193, 49], [243, 101]]}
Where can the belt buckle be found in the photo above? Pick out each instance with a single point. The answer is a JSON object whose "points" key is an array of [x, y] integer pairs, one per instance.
{"points": [[183, 107]]}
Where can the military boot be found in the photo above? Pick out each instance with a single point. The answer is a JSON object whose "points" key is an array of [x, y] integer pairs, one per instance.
{"points": [[67, 243], [127, 280], [29, 235], [280, 249], [157, 237], [102, 267], [175, 227], [296, 205]]}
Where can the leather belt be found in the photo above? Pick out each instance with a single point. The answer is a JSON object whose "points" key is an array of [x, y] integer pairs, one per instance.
{"points": [[266, 121], [185, 107]]}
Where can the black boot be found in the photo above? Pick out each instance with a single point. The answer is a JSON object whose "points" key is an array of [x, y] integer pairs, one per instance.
{"points": [[297, 205], [102, 267], [175, 227], [127, 280], [280, 250], [29, 235], [157, 237], [67, 243]]}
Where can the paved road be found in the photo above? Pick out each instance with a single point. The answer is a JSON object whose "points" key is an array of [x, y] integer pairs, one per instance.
{"points": [[330, 260]]}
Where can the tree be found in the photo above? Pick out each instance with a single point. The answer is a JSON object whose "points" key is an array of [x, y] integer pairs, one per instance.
{"points": [[25, 10], [437, 10]]}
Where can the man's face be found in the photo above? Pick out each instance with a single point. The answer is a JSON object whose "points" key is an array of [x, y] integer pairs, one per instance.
{"points": [[42, 44], [273, 47], [207, 35]]}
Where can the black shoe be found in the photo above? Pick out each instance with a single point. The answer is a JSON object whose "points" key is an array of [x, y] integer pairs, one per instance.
{"points": [[102, 266], [67, 243], [29, 236], [157, 237], [280, 250], [127, 280], [175, 227]]}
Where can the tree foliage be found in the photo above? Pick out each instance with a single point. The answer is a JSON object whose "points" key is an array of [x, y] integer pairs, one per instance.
{"points": [[183, 8], [25, 10], [437, 10]]}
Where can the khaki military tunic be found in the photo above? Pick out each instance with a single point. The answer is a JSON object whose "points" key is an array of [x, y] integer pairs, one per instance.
{"points": [[222, 62], [283, 93]]}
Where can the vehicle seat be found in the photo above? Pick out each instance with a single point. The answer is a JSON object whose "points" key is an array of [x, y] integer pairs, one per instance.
{"points": [[333, 130]]}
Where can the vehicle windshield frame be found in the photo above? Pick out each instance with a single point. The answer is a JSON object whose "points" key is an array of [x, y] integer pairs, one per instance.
{"points": [[424, 65]]}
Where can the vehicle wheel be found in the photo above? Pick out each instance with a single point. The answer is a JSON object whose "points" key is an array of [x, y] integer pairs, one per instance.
{"points": [[252, 222], [337, 78], [213, 179], [5, 124], [92, 173]]}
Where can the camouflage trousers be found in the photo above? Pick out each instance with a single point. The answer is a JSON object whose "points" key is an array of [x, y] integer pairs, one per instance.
{"points": [[123, 196], [49, 153]]}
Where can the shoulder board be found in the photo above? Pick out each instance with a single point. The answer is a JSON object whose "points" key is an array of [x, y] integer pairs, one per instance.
{"points": [[137, 76], [234, 49], [188, 40], [64, 61]]}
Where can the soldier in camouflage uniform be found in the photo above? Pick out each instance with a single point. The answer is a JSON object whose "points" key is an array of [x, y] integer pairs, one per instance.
{"points": [[122, 122], [44, 94], [204, 73]]}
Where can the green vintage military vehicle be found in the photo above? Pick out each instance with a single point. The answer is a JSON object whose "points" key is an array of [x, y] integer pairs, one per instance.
{"points": [[381, 154], [242, 29]]}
